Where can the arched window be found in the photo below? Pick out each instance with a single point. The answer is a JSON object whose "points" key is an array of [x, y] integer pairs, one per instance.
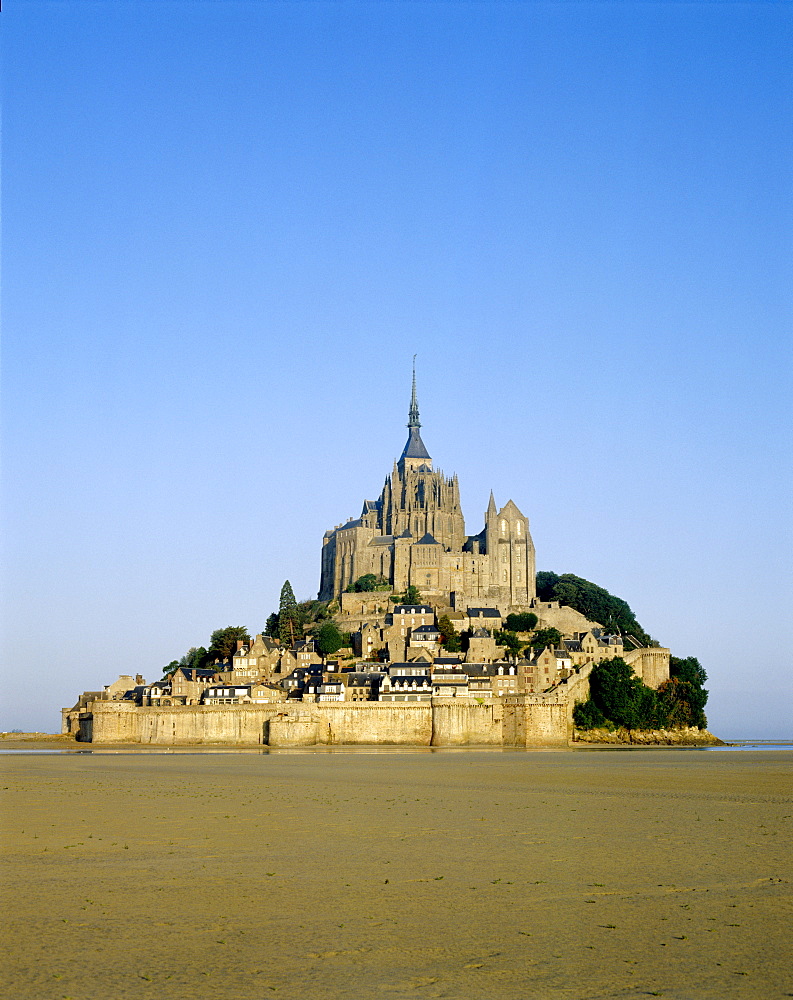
{"points": [[518, 527], [503, 527]]}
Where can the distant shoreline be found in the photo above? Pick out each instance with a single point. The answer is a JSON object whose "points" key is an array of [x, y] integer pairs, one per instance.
{"points": [[30, 742]]}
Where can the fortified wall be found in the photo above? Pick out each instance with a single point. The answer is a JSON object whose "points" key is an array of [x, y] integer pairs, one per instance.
{"points": [[519, 721]]}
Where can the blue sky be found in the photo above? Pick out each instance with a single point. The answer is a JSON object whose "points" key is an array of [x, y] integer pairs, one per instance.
{"points": [[227, 228]]}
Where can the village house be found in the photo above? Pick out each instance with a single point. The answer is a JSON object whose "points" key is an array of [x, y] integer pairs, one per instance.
{"points": [[406, 682], [255, 660]]}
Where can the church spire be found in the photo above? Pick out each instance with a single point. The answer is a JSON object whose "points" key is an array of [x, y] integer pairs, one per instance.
{"points": [[413, 412], [414, 453]]}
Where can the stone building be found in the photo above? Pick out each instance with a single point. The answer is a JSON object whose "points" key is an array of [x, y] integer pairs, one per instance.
{"points": [[414, 535]]}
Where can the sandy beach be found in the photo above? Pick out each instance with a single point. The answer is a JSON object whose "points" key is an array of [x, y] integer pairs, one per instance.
{"points": [[413, 874]]}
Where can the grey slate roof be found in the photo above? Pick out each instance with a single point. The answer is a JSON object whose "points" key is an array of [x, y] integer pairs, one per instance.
{"points": [[427, 540], [414, 448]]}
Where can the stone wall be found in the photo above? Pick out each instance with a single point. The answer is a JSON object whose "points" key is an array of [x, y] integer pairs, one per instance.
{"points": [[462, 723], [515, 721], [651, 664], [550, 614]]}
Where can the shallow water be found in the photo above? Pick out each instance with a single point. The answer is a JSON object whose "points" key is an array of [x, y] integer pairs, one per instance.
{"points": [[368, 750]]}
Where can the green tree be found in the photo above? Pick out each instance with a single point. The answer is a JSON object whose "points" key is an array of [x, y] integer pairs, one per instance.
{"points": [[223, 641], [688, 669], [683, 703], [510, 640], [622, 697], [683, 696], [595, 603], [195, 657], [546, 581], [328, 638], [198, 658], [521, 623], [313, 611], [586, 715], [171, 669], [272, 627], [290, 623], [411, 596], [545, 637], [450, 637]]}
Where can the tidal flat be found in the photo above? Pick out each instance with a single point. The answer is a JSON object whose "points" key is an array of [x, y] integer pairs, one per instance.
{"points": [[470, 874]]}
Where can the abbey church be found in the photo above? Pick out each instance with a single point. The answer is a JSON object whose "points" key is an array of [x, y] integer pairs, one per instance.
{"points": [[414, 534]]}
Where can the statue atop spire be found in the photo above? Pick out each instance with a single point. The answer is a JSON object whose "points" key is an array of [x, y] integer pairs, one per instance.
{"points": [[414, 453], [413, 412]]}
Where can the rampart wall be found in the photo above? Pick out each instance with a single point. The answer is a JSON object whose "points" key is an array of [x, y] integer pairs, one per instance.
{"points": [[650, 663], [530, 720], [516, 720]]}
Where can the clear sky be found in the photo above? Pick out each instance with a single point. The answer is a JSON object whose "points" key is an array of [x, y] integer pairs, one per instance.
{"points": [[228, 226]]}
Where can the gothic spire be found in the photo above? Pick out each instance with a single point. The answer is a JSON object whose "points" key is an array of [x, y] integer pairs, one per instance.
{"points": [[414, 449], [413, 412]]}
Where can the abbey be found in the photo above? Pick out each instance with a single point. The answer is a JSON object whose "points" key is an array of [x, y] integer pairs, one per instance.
{"points": [[414, 535], [436, 665]]}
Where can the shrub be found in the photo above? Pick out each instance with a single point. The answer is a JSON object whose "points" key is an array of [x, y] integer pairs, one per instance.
{"points": [[510, 640], [521, 622], [586, 715], [546, 637]]}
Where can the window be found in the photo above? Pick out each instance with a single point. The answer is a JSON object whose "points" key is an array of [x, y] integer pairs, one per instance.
{"points": [[503, 527], [505, 576], [518, 527]]}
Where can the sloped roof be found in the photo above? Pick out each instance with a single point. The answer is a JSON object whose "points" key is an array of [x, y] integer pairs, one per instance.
{"points": [[414, 448], [427, 540]]}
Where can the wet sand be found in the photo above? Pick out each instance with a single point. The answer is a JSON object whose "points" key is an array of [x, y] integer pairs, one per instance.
{"points": [[474, 874]]}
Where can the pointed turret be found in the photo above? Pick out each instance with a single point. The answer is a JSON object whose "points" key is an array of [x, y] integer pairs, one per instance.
{"points": [[491, 507]]}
